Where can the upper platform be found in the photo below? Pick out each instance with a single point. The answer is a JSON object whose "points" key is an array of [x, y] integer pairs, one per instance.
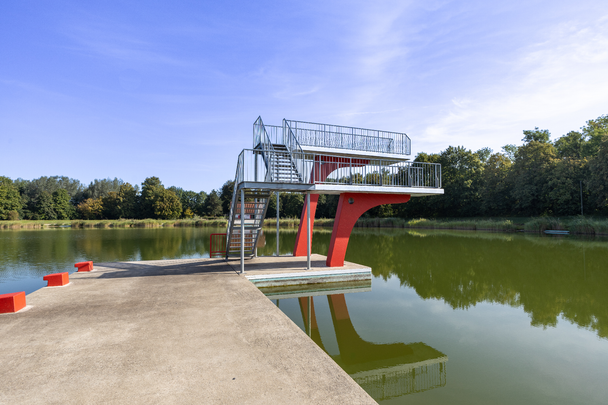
{"points": [[332, 159], [336, 139]]}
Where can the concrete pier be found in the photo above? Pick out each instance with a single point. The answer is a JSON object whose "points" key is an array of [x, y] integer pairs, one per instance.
{"points": [[170, 332]]}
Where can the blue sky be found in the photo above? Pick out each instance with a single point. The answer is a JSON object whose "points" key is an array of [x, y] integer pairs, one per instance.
{"points": [[171, 89]]}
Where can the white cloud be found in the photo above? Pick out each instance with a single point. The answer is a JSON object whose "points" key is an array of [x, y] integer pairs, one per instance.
{"points": [[557, 84]]}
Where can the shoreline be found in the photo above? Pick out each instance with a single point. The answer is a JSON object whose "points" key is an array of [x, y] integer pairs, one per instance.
{"points": [[575, 225]]}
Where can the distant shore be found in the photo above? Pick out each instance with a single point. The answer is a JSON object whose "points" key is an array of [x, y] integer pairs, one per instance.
{"points": [[575, 225]]}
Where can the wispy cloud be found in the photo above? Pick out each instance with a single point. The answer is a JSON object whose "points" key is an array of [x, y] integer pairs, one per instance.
{"points": [[561, 79]]}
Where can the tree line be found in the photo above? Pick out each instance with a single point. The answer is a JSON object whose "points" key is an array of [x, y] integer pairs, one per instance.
{"points": [[538, 177], [60, 197]]}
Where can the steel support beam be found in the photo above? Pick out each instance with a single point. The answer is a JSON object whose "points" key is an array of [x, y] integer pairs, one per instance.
{"points": [[242, 230], [350, 207], [308, 232], [278, 200]]}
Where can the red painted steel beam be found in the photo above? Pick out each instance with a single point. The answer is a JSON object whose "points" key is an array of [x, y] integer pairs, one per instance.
{"points": [[323, 167], [350, 207]]}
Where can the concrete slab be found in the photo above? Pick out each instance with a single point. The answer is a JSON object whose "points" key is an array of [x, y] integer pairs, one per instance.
{"points": [[170, 332], [272, 271]]}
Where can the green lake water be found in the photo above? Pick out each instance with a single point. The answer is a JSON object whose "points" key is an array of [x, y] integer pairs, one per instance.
{"points": [[451, 317]]}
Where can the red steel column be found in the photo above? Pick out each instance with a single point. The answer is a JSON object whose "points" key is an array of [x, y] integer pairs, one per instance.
{"points": [[300, 248], [323, 167], [350, 207]]}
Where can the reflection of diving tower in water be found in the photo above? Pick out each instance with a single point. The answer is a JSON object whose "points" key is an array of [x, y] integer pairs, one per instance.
{"points": [[383, 370], [365, 167]]}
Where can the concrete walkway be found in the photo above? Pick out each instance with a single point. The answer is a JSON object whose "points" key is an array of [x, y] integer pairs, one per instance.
{"points": [[163, 332]]}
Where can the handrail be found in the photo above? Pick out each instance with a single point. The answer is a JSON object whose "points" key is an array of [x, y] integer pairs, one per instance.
{"points": [[292, 144], [238, 179], [315, 168], [264, 141], [353, 138]]}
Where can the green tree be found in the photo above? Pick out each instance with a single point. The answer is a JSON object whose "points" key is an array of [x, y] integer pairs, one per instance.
{"points": [[594, 133], [536, 135], [121, 204], [529, 178], [62, 206], [10, 200], [570, 146], [226, 196], [166, 205], [495, 190], [43, 208], [598, 177], [90, 208], [151, 188], [190, 200], [213, 205], [98, 188], [461, 178]]}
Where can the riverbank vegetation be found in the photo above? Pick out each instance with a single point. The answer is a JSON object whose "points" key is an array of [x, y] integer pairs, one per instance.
{"points": [[575, 225], [538, 178]]}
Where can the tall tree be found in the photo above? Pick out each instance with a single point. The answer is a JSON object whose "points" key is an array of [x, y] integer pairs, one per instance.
{"points": [[43, 208], [496, 200], [226, 196], [598, 177], [10, 201], [213, 205], [62, 206], [151, 188], [529, 178]]}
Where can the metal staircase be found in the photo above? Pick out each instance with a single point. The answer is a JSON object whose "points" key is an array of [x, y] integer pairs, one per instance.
{"points": [[280, 168], [255, 206]]}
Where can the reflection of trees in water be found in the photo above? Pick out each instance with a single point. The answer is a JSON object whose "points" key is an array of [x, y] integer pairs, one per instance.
{"points": [[547, 277], [47, 248]]}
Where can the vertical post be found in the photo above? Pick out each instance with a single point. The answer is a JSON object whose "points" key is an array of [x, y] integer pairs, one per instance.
{"points": [[308, 234], [242, 231], [581, 183], [278, 224]]}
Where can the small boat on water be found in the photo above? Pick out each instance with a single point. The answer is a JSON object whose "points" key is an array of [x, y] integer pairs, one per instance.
{"points": [[557, 232]]}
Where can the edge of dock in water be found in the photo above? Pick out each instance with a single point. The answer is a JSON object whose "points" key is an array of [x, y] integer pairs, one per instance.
{"points": [[168, 331]]}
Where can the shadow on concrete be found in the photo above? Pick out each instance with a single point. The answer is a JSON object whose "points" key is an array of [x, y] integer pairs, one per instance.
{"points": [[164, 268]]}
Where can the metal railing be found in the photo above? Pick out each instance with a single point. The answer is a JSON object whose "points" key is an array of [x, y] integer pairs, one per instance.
{"points": [[327, 169], [341, 137]]}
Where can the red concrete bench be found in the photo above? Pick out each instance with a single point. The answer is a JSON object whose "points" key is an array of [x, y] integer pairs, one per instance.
{"points": [[84, 266], [57, 279], [12, 302]]}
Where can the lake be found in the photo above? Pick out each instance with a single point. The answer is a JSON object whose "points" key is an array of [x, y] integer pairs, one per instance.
{"points": [[452, 317]]}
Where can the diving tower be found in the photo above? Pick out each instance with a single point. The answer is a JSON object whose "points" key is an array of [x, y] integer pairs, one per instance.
{"points": [[365, 167]]}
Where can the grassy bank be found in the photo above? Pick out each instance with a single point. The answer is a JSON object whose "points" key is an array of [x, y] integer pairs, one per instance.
{"points": [[576, 225], [113, 223]]}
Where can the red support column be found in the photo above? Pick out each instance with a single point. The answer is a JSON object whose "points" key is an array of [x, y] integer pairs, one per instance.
{"points": [[350, 207], [300, 248], [323, 167]]}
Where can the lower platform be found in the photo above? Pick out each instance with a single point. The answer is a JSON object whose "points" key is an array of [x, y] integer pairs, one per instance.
{"points": [[273, 271], [163, 332]]}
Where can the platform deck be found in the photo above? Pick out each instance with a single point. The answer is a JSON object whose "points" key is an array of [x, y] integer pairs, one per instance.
{"points": [[170, 332]]}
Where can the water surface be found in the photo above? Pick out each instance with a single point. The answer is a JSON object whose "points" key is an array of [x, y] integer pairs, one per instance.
{"points": [[452, 317]]}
